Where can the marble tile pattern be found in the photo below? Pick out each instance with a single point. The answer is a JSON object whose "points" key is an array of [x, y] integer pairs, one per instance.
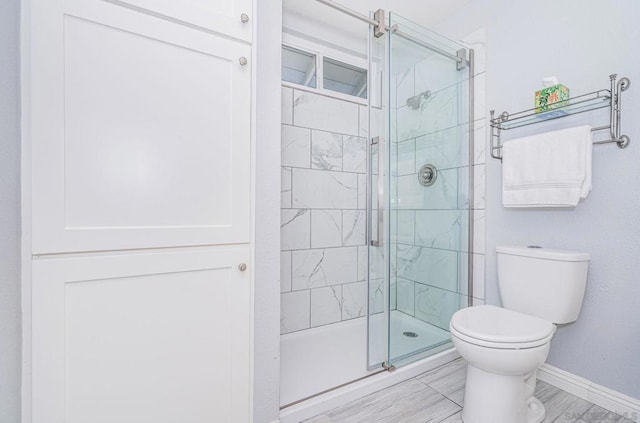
{"points": [[326, 228], [285, 188], [296, 146], [294, 229], [354, 300], [287, 105], [438, 397], [320, 189], [430, 235], [436, 306], [353, 227], [325, 113], [326, 150], [354, 154], [376, 295], [294, 311], [323, 227], [318, 267], [326, 305], [405, 296], [324, 198]]}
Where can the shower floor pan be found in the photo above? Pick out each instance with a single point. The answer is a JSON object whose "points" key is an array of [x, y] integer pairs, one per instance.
{"points": [[315, 360]]}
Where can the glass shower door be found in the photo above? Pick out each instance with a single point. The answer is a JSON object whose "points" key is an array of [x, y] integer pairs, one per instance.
{"points": [[377, 252], [426, 216]]}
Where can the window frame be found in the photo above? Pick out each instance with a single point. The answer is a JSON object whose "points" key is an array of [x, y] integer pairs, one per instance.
{"points": [[320, 51], [304, 52], [330, 61]]}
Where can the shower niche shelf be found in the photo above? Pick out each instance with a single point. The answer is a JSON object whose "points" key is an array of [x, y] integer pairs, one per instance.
{"points": [[605, 98]]}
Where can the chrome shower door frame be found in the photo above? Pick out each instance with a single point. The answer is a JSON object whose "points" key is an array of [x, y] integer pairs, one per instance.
{"points": [[378, 185]]}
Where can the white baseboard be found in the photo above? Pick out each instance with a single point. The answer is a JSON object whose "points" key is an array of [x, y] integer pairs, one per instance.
{"points": [[599, 395]]}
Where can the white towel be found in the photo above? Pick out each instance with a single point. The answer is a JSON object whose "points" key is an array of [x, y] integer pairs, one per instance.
{"points": [[547, 170]]}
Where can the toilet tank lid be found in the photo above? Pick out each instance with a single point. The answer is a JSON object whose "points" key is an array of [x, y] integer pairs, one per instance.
{"points": [[543, 253]]}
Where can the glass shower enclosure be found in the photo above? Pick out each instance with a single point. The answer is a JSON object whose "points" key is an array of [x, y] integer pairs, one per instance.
{"points": [[419, 191]]}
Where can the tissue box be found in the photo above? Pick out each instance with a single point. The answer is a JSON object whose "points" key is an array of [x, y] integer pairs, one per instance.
{"points": [[551, 98]]}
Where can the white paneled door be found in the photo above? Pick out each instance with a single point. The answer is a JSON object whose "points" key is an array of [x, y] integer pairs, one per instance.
{"points": [[228, 17], [139, 139], [141, 128], [142, 338]]}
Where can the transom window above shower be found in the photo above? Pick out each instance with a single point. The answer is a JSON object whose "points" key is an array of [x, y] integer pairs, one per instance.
{"points": [[299, 67], [344, 78], [314, 70]]}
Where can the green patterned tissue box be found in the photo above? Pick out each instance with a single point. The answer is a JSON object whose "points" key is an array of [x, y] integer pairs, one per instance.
{"points": [[552, 97]]}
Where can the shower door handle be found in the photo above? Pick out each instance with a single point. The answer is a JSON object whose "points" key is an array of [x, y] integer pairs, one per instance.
{"points": [[379, 241]]}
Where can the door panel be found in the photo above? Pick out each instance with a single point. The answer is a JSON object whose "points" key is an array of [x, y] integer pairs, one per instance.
{"points": [[419, 273], [140, 135], [219, 16], [378, 258], [429, 227], [134, 160], [142, 338]]}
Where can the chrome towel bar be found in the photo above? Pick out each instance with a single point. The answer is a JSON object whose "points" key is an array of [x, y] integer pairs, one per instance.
{"points": [[600, 99]]}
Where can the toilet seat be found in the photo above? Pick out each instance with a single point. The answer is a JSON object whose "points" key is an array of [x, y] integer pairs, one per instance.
{"points": [[496, 327]]}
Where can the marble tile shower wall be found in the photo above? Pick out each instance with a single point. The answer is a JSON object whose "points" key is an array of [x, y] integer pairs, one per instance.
{"points": [[323, 252], [324, 255], [431, 236]]}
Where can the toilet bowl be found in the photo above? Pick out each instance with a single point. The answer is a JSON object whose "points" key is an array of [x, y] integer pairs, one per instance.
{"points": [[504, 346], [503, 350]]}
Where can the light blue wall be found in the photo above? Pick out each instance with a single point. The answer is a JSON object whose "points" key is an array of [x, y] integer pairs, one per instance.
{"points": [[581, 42], [9, 213]]}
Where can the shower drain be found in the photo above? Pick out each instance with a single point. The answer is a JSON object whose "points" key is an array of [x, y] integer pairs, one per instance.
{"points": [[410, 334]]}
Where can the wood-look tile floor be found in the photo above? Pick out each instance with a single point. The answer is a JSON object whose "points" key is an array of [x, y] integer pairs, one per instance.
{"points": [[438, 395]]}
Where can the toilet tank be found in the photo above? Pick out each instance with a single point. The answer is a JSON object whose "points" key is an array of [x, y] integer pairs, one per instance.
{"points": [[542, 282]]}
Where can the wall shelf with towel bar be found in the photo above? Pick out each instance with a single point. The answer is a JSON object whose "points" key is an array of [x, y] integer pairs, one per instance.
{"points": [[600, 99]]}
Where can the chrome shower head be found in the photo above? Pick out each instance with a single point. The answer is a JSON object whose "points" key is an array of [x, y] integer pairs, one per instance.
{"points": [[415, 101]]}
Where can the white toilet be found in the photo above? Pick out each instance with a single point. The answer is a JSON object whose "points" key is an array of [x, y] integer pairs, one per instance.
{"points": [[505, 346]]}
